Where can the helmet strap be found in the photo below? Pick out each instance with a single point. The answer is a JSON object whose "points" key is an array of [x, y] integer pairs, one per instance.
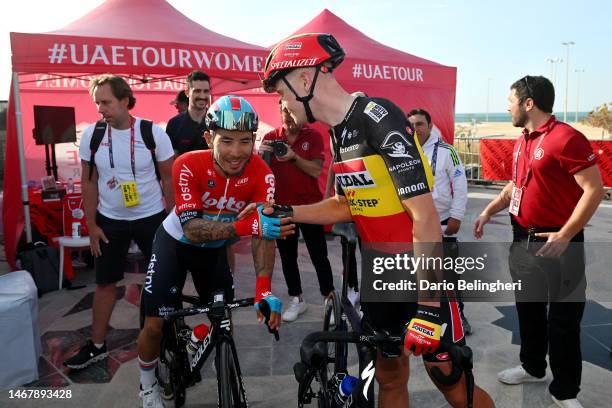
{"points": [[305, 99]]}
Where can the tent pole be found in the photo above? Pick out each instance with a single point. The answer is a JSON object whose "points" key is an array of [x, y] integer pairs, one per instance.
{"points": [[22, 167]]}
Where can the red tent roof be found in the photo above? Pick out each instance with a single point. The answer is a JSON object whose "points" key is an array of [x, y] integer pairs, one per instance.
{"points": [[139, 37], [153, 20], [355, 43]]}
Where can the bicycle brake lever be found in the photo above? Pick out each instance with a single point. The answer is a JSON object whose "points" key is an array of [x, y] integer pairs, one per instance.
{"points": [[264, 308]]}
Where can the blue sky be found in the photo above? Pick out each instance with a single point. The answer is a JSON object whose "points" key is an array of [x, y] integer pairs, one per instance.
{"points": [[483, 39]]}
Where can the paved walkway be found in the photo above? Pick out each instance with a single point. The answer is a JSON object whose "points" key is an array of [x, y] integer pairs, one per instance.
{"points": [[65, 319]]}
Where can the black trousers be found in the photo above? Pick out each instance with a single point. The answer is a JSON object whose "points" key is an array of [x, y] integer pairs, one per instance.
{"points": [[314, 236], [548, 323]]}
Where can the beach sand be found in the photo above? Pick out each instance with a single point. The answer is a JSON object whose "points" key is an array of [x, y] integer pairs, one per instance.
{"points": [[506, 130]]}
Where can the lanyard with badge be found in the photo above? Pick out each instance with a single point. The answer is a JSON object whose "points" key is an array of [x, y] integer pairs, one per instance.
{"points": [[517, 190], [129, 190]]}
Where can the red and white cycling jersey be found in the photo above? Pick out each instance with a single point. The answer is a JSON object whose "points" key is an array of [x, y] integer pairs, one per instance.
{"points": [[201, 192]]}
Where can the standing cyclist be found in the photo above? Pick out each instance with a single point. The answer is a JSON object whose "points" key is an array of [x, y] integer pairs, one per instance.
{"points": [[211, 187], [374, 159]]}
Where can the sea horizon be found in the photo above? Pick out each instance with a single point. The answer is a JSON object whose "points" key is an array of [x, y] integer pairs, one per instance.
{"points": [[505, 116]]}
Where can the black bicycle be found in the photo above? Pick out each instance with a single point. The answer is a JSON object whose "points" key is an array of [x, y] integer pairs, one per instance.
{"points": [[314, 383], [177, 371], [324, 355], [344, 314]]}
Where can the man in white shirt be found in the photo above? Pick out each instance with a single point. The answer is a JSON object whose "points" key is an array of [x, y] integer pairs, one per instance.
{"points": [[450, 192], [123, 197]]}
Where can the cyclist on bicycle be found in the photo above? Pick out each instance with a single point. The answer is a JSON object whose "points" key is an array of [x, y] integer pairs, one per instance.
{"points": [[211, 188], [383, 184]]}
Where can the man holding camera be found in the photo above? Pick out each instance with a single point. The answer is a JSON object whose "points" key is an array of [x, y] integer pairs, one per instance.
{"points": [[295, 155]]}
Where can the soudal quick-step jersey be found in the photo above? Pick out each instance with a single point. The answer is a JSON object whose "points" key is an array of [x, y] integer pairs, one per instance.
{"points": [[201, 192], [378, 163]]}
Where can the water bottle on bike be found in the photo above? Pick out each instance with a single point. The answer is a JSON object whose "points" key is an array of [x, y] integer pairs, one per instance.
{"points": [[198, 335], [345, 384]]}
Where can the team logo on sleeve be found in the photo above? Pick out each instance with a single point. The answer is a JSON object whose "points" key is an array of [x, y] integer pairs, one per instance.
{"points": [[375, 111], [397, 145]]}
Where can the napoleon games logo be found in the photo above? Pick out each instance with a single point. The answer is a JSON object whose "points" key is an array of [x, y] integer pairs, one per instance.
{"points": [[397, 145]]}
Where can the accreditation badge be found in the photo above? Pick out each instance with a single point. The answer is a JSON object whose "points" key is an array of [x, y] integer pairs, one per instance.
{"points": [[130, 194], [515, 200]]}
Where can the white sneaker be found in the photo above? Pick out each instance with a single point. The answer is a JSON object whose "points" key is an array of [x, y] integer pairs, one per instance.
{"points": [[296, 308], [517, 375], [568, 403], [151, 397]]}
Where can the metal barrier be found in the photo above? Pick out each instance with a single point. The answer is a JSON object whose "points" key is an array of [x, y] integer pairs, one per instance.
{"points": [[468, 147]]}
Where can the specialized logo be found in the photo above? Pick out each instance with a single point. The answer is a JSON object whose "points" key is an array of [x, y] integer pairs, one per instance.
{"points": [[539, 153], [358, 179], [375, 111], [223, 203], [397, 143], [303, 62], [411, 189], [348, 149], [368, 375], [183, 182]]}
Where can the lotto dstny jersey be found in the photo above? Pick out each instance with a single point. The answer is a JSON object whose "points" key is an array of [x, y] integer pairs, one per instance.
{"points": [[201, 192], [378, 163]]}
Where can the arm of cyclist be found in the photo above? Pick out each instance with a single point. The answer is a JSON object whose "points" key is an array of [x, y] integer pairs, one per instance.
{"points": [[424, 329], [263, 258], [329, 211]]}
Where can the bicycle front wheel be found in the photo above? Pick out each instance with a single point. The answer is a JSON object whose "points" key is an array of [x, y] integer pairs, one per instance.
{"points": [[231, 388], [337, 351]]}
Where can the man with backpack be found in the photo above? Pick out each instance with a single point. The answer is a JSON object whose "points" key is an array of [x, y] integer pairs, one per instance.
{"points": [[127, 188]]}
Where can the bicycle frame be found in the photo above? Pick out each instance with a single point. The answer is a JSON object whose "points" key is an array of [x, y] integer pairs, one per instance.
{"points": [[220, 331]]}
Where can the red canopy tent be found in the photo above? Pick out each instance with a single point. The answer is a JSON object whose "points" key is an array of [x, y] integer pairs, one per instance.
{"points": [[147, 41]]}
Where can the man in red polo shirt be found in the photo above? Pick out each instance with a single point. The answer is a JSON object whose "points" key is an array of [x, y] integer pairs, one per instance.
{"points": [[555, 189], [297, 173]]}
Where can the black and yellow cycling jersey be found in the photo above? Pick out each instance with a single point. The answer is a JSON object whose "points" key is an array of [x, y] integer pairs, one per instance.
{"points": [[377, 164]]}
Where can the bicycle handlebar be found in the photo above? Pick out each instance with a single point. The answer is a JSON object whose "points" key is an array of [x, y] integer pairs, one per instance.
{"points": [[264, 308], [191, 311]]}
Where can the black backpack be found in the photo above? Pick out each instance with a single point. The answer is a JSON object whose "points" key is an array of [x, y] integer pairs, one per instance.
{"points": [[146, 130]]}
